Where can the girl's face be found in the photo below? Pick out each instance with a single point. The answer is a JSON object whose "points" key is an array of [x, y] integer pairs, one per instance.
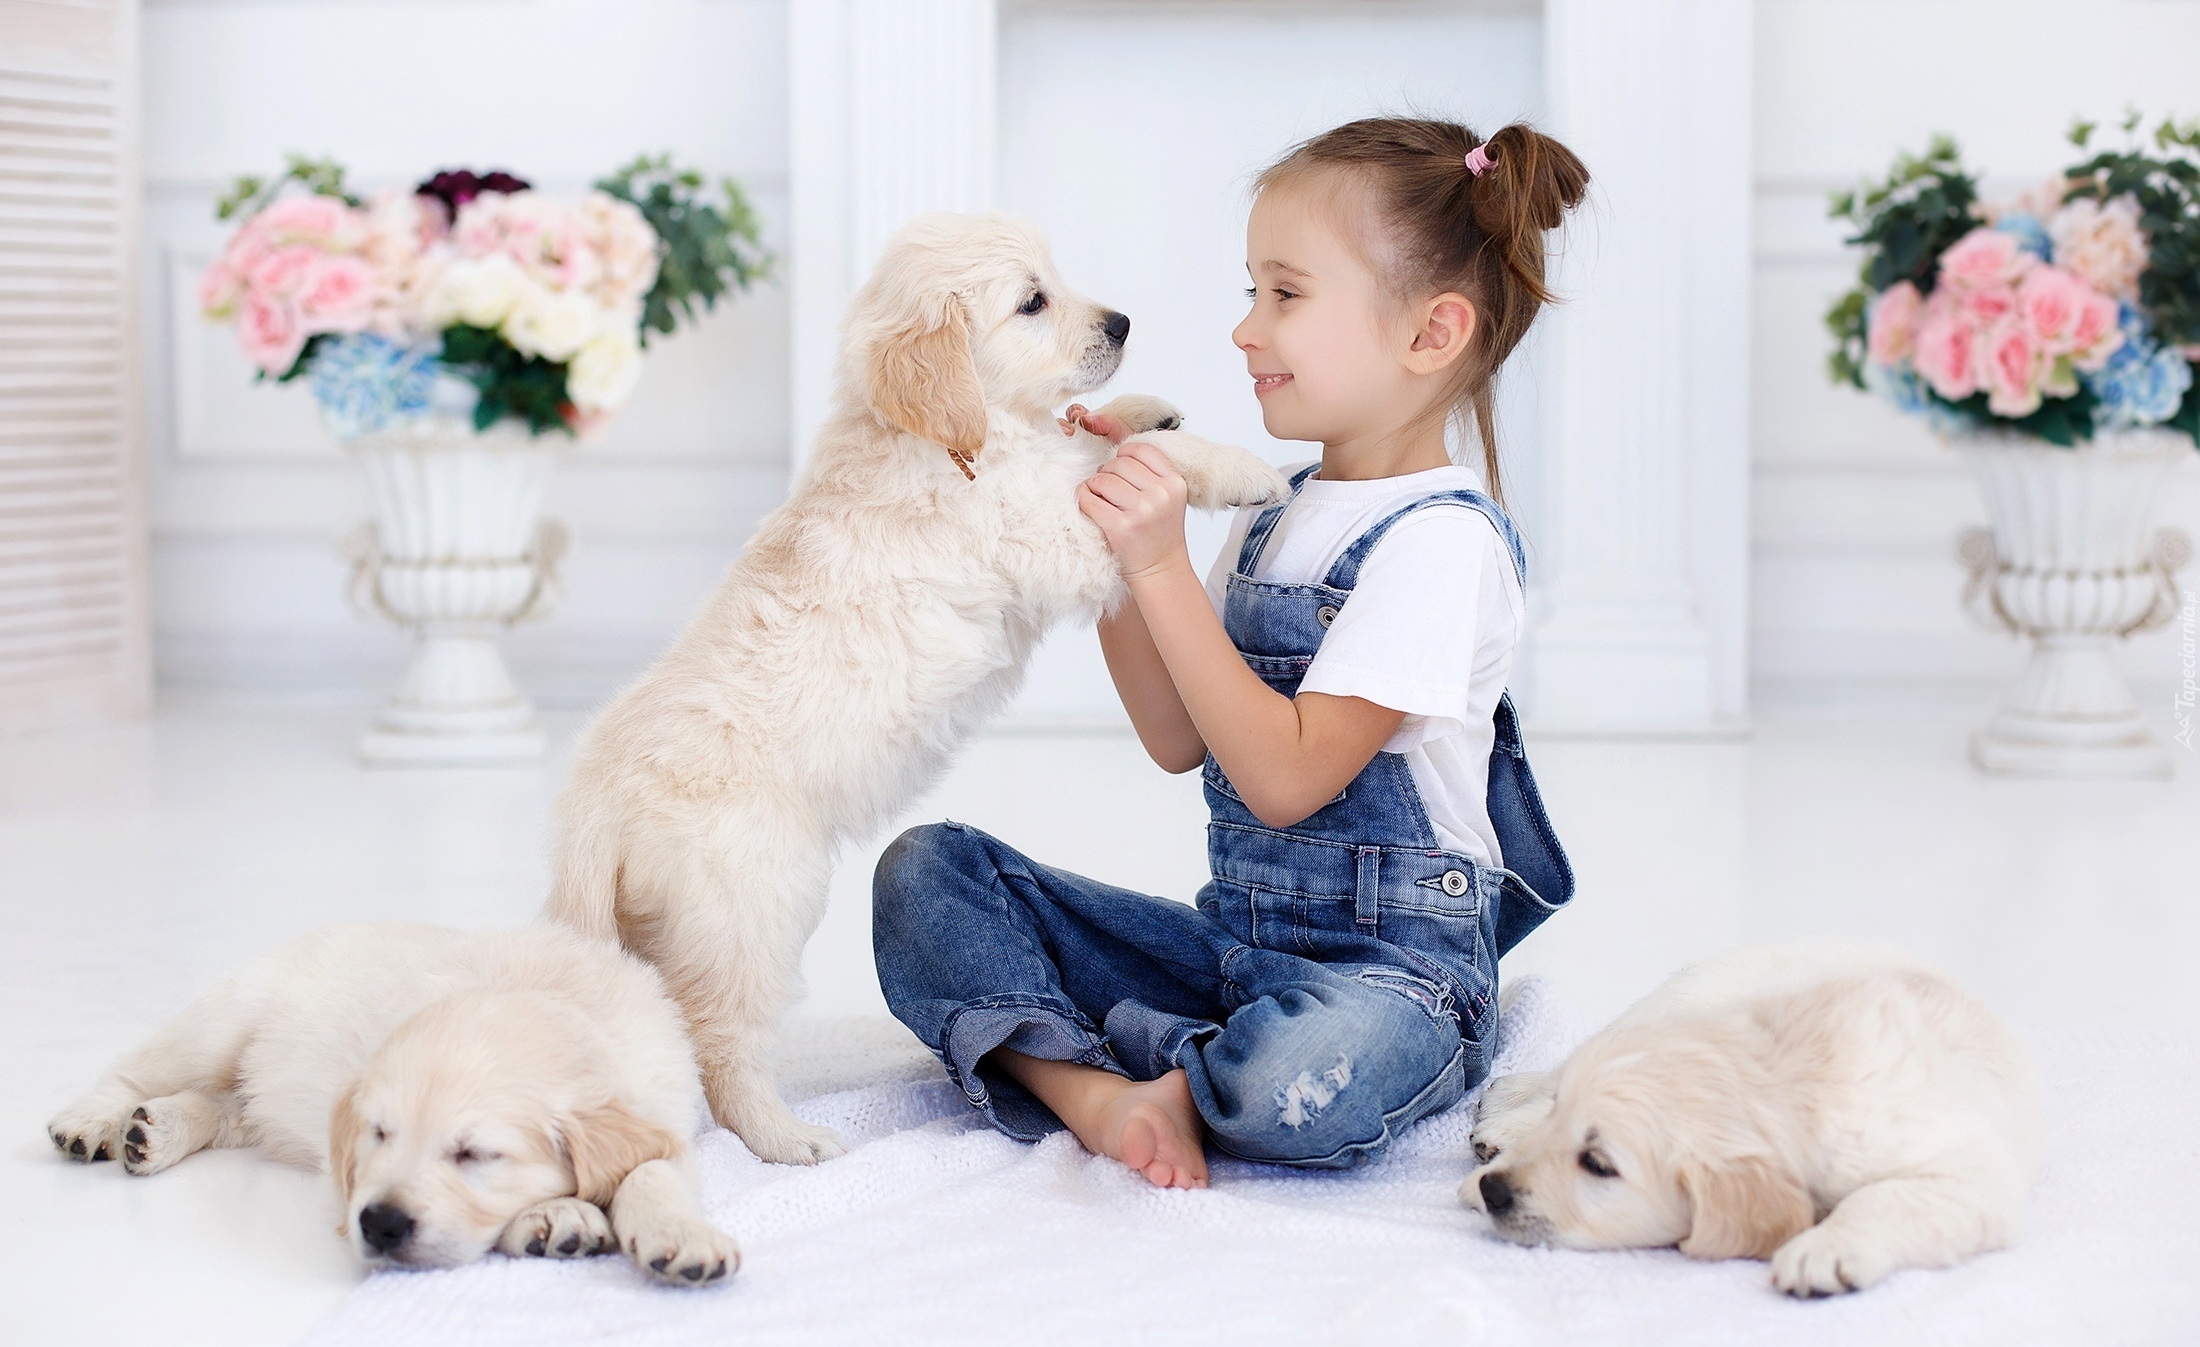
{"points": [[1329, 351]]}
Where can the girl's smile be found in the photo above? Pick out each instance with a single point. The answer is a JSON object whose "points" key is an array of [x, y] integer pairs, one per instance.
{"points": [[1268, 383]]}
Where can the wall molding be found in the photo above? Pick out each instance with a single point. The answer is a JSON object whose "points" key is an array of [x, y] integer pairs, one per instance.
{"points": [[1648, 479]]}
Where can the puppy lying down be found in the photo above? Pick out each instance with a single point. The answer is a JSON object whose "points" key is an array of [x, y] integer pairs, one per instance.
{"points": [[529, 1091], [1842, 1112]]}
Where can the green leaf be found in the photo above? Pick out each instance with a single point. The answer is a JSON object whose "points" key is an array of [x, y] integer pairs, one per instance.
{"points": [[704, 251]]}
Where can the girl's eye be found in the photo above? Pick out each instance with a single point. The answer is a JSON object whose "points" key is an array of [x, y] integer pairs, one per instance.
{"points": [[1251, 293], [1037, 302], [1598, 1165]]}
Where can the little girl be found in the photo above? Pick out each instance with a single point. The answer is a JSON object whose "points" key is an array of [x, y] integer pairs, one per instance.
{"points": [[1377, 841]]}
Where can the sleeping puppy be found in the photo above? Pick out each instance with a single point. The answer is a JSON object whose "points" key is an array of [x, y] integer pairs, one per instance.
{"points": [[527, 1091], [1842, 1112], [876, 619]]}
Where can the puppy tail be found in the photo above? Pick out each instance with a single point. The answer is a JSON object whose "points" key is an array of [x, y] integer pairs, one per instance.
{"points": [[585, 895]]}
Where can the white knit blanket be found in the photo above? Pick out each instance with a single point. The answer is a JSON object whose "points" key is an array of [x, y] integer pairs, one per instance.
{"points": [[935, 1229]]}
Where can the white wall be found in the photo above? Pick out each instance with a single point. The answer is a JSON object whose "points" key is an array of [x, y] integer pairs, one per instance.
{"points": [[1128, 130], [1131, 131], [249, 496], [1857, 507]]}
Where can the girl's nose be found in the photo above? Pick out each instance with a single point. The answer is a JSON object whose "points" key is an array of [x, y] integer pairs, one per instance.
{"points": [[1242, 336]]}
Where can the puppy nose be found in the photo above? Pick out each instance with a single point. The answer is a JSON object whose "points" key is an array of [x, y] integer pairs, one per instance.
{"points": [[1497, 1195], [1118, 327], [384, 1227]]}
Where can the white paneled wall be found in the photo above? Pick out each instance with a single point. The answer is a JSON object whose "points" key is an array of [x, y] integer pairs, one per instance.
{"points": [[1856, 508], [1131, 132], [249, 495], [1128, 130]]}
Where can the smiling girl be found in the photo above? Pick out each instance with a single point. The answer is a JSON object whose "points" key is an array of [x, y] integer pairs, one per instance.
{"points": [[1376, 841]]}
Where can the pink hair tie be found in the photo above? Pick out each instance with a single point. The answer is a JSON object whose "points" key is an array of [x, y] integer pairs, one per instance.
{"points": [[1478, 159]]}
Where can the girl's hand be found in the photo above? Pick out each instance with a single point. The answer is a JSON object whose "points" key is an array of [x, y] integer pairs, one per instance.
{"points": [[1137, 499], [1076, 417]]}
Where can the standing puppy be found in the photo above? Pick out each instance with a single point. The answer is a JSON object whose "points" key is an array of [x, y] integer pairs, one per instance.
{"points": [[876, 619], [1844, 1113]]}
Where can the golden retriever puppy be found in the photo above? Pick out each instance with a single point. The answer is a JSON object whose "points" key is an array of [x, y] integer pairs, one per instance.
{"points": [[529, 1091], [875, 620], [1842, 1112]]}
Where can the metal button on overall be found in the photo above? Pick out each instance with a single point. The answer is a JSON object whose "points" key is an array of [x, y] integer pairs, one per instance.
{"points": [[1455, 882], [1325, 614]]}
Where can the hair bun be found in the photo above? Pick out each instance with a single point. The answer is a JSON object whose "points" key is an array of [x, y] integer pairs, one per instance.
{"points": [[1532, 183]]}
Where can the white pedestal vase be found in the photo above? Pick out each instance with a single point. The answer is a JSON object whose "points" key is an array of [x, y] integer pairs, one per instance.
{"points": [[457, 553], [2071, 562]]}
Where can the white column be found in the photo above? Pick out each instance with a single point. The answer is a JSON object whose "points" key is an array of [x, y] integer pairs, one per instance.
{"points": [[892, 115], [1646, 435]]}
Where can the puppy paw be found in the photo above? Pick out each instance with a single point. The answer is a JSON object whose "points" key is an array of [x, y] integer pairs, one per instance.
{"points": [[1219, 476], [84, 1136], [563, 1227], [788, 1140], [1511, 1108], [1826, 1261], [156, 1135], [684, 1252], [1140, 413]]}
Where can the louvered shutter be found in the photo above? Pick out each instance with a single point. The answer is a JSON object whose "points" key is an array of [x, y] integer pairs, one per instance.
{"points": [[74, 640]]}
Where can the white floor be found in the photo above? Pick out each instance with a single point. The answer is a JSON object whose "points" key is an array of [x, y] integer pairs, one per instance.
{"points": [[139, 863]]}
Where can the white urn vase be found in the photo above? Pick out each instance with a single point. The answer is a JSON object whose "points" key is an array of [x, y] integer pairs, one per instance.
{"points": [[457, 552], [2073, 564]]}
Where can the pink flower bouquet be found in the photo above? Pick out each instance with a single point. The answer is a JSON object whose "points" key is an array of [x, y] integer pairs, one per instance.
{"points": [[471, 291], [2070, 310]]}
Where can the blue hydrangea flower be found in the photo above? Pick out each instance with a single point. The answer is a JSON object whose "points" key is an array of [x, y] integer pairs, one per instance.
{"points": [[366, 382], [2030, 234], [1908, 391], [2143, 381], [1898, 384]]}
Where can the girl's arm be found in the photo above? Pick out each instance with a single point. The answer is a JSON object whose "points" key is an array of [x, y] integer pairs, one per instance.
{"points": [[1142, 680], [1286, 756]]}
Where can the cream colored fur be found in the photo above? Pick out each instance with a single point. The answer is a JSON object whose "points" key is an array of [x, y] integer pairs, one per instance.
{"points": [[877, 618], [499, 1089], [1842, 1112]]}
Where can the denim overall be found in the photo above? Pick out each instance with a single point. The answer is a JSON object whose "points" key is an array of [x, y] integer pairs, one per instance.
{"points": [[1337, 980]]}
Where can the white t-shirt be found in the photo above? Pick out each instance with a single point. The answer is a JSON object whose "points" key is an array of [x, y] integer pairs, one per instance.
{"points": [[1429, 629]]}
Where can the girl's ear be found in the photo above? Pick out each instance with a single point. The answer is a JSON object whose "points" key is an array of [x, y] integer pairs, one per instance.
{"points": [[1744, 1208], [1447, 327], [923, 380]]}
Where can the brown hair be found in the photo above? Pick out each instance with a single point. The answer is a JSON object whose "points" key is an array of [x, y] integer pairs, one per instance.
{"points": [[1449, 229]]}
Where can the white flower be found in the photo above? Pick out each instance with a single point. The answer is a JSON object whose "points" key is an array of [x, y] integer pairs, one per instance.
{"points": [[478, 291], [626, 248], [551, 323], [603, 375]]}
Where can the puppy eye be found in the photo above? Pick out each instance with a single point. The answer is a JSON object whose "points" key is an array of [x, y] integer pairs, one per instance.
{"points": [[1037, 302], [1598, 1165], [465, 1155], [380, 1135]]}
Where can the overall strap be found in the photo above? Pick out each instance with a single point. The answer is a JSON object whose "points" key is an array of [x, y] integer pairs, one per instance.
{"points": [[1346, 573], [1256, 537]]}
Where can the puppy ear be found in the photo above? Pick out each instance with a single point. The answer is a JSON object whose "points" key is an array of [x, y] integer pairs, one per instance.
{"points": [[1744, 1208], [343, 1141], [608, 1142], [923, 380]]}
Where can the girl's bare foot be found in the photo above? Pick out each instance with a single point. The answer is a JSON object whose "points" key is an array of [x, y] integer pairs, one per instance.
{"points": [[1152, 1127], [1149, 1125]]}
